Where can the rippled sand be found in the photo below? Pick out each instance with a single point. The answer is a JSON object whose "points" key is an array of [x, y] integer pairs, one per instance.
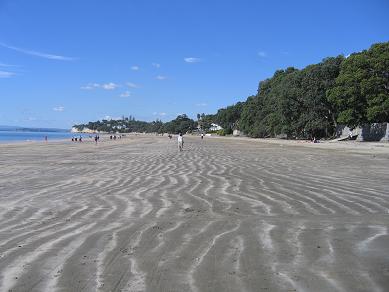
{"points": [[224, 215]]}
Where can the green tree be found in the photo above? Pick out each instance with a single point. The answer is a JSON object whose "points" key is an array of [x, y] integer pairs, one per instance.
{"points": [[181, 124], [228, 118], [362, 88]]}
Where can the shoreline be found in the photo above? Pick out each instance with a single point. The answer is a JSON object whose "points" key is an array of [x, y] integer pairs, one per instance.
{"points": [[369, 147]]}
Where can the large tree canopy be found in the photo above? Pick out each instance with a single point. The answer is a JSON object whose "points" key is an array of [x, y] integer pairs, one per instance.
{"points": [[293, 102], [181, 124], [361, 92]]}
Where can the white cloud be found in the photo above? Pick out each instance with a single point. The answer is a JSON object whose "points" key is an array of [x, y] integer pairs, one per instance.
{"points": [[87, 87], [201, 104], [132, 85], [7, 65], [125, 94], [262, 54], [161, 77], [90, 86], [58, 109], [106, 86], [192, 60], [6, 74], [38, 54], [109, 118], [109, 86], [159, 114], [156, 65], [135, 68]]}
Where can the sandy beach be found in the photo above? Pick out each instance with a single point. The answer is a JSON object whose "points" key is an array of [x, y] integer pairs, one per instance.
{"points": [[223, 215]]}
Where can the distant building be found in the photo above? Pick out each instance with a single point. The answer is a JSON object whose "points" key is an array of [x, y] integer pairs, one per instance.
{"points": [[215, 127], [237, 133]]}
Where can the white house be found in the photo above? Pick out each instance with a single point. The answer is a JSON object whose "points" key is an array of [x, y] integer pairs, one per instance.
{"points": [[215, 127]]}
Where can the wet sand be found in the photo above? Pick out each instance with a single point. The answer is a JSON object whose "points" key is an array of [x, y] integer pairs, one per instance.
{"points": [[223, 215]]}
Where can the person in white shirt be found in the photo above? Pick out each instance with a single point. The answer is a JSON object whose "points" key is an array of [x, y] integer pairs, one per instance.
{"points": [[180, 141]]}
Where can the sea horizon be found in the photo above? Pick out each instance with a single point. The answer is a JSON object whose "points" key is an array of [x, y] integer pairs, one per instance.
{"points": [[25, 136]]}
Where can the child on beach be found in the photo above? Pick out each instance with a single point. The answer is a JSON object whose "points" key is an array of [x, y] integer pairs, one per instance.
{"points": [[180, 141]]}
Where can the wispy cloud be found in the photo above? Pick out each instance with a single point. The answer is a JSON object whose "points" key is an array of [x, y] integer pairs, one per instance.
{"points": [[125, 94], [109, 118], [156, 65], [109, 86], [7, 65], [132, 85], [38, 54], [161, 77], [135, 68], [90, 86], [58, 109], [201, 104], [262, 54], [159, 114], [192, 60], [6, 74], [106, 86]]}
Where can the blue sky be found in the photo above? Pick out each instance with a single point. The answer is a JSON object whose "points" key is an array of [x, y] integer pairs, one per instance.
{"points": [[71, 61]]}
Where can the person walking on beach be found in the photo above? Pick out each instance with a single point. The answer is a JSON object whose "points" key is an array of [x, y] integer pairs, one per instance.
{"points": [[180, 141], [96, 139]]}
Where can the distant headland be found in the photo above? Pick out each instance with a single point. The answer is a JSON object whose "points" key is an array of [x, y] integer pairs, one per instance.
{"points": [[28, 129]]}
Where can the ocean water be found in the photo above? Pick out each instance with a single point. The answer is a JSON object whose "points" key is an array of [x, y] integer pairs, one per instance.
{"points": [[21, 136]]}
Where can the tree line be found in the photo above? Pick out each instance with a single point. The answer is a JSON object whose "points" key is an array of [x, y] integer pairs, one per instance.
{"points": [[311, 102], [181, 124], [295, 103]]}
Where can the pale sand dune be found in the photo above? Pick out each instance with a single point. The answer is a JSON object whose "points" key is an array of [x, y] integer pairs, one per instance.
{"points": [[224, 215]]}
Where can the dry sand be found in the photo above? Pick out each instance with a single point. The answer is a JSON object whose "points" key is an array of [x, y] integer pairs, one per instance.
{"points": [[224, 215]]}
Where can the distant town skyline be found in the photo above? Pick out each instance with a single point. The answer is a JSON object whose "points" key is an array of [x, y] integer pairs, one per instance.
{"points": [[69, 62]]}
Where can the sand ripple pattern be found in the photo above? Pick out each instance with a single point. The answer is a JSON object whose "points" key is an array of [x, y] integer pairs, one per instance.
{"points": [[223, 215]]}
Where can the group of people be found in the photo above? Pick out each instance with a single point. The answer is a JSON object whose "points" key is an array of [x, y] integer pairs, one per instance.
{"points": [[114, 137], [96, 138], [76, 139], [79, 139]]}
